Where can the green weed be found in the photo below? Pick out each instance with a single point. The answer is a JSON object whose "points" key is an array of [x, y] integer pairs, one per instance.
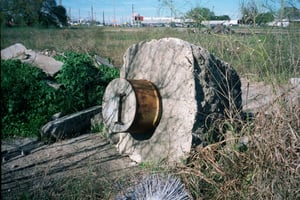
{"points": [[31, 102]]}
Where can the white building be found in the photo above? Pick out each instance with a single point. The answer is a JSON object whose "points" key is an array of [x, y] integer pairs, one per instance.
{"points": [[280, 23], [222, 22], [181, 22]]}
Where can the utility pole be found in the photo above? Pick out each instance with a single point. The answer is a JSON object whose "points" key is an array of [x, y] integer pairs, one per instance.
{"points": [[282, 9], [70, 13], [103, 22], [114, 13], [92, 13], [79, 15], [132, 10], [171, 7]]}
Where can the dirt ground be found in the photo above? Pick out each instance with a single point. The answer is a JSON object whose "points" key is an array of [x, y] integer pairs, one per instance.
{"points": [[29, 165]]}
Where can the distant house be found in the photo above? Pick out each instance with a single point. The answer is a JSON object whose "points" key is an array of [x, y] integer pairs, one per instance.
{"points": [[280, 23], [285, 22], [156, 21], [292, 16], [183, 22], [212, 23]]}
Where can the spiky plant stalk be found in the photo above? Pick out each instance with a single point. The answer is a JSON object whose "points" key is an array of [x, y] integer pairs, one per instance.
{"points": [[157, 187]]}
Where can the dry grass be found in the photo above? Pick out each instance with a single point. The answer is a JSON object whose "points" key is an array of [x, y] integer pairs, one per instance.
{"points": [[268, 53], [105, 41], [268, 167]]}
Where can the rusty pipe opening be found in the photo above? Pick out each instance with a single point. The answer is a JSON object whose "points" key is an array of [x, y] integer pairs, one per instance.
{"points": [[132, 106]]}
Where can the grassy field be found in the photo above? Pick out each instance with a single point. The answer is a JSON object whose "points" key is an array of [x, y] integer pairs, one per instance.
{"points": [[271, 54], [268, 167]]}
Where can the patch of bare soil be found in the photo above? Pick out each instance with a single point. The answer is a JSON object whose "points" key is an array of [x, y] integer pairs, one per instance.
{"points": [[29, 165]]}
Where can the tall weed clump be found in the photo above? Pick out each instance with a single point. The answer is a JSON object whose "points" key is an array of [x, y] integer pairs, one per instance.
{"points": [[276, 154], [258, 159]]}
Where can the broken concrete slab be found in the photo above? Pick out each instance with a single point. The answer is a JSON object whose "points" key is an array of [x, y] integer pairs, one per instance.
{"points": [[18, 51], [13, 51], [71, 125], [48, 64]]}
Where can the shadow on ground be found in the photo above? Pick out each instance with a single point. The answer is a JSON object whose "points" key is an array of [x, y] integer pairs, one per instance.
{"points": [[31, 166]]}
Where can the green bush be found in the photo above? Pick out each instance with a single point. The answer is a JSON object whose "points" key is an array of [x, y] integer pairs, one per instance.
{"points": [[83, 84], [28, 102]]}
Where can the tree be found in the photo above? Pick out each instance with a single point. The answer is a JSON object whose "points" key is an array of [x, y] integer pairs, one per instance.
{"points": [[289, 9], [249, 12], [200, 14], [51, 14], [22, 12], [61, 14], [32, 12], [264, 18], [291, 13], [168, 4], [222, 17]]}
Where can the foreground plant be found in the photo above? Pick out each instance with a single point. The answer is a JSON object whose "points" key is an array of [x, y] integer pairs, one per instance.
{"points": [[28, 102], [157, 187], [268, 168]]}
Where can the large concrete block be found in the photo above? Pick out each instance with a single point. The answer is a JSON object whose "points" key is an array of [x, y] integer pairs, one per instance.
{"points": [[192, 84]]}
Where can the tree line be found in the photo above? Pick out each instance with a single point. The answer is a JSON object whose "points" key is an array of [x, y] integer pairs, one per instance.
{"points": [[33, 12], [251, 12]]}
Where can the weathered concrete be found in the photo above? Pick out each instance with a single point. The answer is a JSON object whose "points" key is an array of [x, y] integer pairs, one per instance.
{"points": [[295, 82], [13, 51], [192, 83], [71, 125], [18, 51], [48, 64], [262, 97]]}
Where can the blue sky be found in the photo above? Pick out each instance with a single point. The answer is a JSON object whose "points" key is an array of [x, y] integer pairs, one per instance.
{"points": [[121, 10]]}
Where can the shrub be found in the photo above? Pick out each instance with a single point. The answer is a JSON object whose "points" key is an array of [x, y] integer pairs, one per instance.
{"points": [[83, 84], [27, 101]]}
